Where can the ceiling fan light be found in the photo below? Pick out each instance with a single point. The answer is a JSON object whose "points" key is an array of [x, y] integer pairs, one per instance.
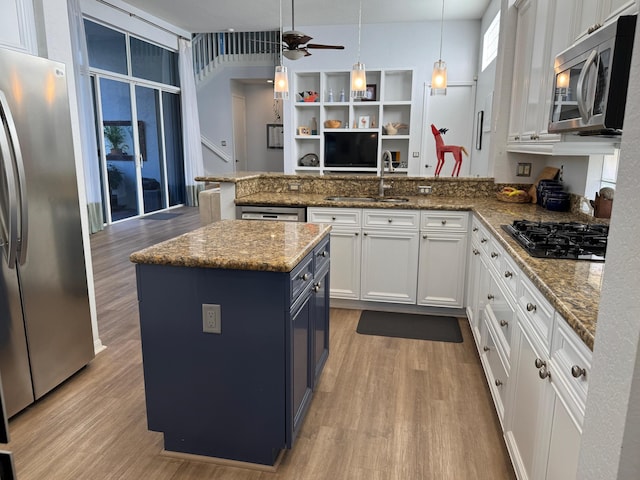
{"points": [[439, 78], [294, 54], [358, 81], [281, 84]]}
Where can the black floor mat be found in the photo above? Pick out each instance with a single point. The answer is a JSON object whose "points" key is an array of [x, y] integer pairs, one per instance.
{"points": [[409, 325]]}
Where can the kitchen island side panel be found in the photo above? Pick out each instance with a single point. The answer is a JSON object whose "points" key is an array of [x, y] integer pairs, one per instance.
{"points": [[219, 395]]}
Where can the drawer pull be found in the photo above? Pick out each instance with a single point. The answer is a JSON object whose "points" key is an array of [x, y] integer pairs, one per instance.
{"points": [[508, 274], [356, 234], [476, 251], [490, 296], [390, 220], [317, 287], [539, 363], [578, 372], [305, 276], [424, 236], [484, 240], [333, 218], [324, 253], [444, 222], [544, 373], [503, 323], [531, 307], [475, 229], [485, 348], [494, 254], [498, 383]]}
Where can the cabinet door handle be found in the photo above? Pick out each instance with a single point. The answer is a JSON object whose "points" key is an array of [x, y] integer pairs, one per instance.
{"points": [[531, 307], [324, 253], [544, 373], [494, 254], [490, 297], [475, 229], [498, 383], [333, 219], [317, 287], [476, 251], [356, 234], [305, 276], [578, 371], [485, 348], [390, 220], [516, 138], [365, 234], [508, 274], [424, 236], [539, 363], [444, 222], [503, 323], [484, 240]]}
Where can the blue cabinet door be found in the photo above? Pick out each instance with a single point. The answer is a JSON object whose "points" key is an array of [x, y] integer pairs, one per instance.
{"points": [[320, 347], [301, 371]]}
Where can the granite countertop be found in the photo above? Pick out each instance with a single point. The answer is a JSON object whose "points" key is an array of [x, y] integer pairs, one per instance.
{"points": [[238, 244], [571, 286]]}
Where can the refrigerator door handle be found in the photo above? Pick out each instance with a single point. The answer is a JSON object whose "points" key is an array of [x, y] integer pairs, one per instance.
{"points": [[23, 236], [10, 224]]}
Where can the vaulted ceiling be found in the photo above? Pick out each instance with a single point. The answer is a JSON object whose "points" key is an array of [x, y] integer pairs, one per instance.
{"points": [[256, 15]]}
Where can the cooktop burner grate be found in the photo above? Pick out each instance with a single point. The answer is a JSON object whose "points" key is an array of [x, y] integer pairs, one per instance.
{"points": [[568, 240]]}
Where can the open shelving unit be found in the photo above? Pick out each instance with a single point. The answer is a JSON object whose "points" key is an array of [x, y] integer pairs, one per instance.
{"points": [[391, 102]]}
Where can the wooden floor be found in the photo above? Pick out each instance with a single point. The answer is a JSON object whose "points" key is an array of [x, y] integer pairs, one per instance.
{"points": [[385, 409]]}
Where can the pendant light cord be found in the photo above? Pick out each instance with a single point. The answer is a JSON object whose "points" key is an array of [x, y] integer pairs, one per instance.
{"points": [[359, 28], [441, 30], [281, 48]]}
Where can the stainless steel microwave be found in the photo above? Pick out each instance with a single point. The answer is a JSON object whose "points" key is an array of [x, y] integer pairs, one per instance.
{"points": [[591, 80]]}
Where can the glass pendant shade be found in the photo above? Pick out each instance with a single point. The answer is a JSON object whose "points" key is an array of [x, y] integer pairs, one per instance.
{"points": [[439, 78], [358, 81], [281, 84]]}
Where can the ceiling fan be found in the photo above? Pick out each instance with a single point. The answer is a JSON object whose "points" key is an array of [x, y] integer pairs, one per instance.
{"points": [[296, 43]]}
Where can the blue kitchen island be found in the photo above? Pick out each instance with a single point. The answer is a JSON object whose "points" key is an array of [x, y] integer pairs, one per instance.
{"points": [[241, 394]]}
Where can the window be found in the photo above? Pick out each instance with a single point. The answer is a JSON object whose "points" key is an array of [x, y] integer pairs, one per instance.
{"points": [[490, 42]]}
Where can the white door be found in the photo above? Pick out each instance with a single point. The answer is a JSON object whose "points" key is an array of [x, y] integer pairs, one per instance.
{"points": [[453, 111], [240, 133]]}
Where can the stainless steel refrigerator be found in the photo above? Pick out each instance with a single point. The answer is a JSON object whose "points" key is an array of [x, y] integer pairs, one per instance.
{"points": [[45, 323]]}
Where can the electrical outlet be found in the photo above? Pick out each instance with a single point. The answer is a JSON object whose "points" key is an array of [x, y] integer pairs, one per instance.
{"points": [[294, 187], [416, 154], [424, 189], [211, 321]]}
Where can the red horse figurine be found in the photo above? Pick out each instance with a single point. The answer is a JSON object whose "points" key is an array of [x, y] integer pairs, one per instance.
{"points": [[441, 149]]}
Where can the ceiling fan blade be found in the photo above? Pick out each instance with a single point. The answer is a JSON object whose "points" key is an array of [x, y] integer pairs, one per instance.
{"points": [[332, 47], [294, 38]]}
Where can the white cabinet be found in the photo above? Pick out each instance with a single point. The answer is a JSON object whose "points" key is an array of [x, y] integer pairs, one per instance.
{"points": [[543, 30], [17, 25], [345, 249], [537, 368], [393, 91], [389, 256], [590, 14], [442, 260]]}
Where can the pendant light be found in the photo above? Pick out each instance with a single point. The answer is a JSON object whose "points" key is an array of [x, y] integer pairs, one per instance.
{"points": [[439, 75], [358, 73], [281, 78]]}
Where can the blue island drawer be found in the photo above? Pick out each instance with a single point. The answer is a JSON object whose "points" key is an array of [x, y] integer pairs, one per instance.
{"points": [[321, 254], [301, 276]]}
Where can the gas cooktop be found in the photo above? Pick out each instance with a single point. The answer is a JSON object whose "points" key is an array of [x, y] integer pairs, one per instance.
{"points": [[568, 240]]}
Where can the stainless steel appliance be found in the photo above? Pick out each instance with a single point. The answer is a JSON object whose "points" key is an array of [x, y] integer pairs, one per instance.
{"points": [[263, 212], [591, 80], [45, 323], [568, 240]]}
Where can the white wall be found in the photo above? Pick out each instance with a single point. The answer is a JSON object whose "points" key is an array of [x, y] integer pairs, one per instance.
{"points": [[260, 111], [611, 436], [214, 108]]}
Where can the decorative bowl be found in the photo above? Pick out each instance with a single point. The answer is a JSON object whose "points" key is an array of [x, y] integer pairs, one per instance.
{"points": [[332, 124]]}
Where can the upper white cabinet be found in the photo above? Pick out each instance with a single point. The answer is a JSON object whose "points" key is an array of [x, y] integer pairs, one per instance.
{"points": [[589, 14], [541, 33], [389, 103], [17, 25]]}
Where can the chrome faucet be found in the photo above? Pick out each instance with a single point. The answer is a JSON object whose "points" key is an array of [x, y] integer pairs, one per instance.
{"points": [[386, 157]]}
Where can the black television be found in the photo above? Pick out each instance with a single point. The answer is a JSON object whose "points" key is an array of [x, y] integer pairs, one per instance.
{"points": [[351, 149]]}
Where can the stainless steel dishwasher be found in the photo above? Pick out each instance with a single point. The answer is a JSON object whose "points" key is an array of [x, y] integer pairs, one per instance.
{"points": [[263, 212]]}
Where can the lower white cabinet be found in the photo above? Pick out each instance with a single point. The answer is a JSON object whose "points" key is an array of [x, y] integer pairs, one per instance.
{"points": [[345, 263], [441, 269], [389, 256], [537, 367]]}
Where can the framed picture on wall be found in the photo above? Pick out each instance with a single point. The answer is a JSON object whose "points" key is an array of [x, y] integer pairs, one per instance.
{"points": [[275, 135]]}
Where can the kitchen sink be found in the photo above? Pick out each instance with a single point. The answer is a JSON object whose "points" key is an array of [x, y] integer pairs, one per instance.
{"points": [[367, 199]]}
